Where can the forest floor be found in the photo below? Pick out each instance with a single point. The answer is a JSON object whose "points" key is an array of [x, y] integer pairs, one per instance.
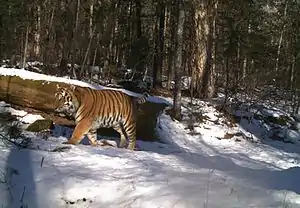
{"points": [[206, 160]]}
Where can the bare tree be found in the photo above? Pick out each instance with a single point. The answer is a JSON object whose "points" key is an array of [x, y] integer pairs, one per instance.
{"points": [[281, 36], [179, 64], [37, 34], [208, 78], [26, 43], [159, 45]]}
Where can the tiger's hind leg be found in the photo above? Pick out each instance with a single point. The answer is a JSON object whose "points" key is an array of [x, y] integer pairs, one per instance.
{"points": [[92, 136], [132, 141], [128, 133], [123, 138], [80, 130], [123, 141]]}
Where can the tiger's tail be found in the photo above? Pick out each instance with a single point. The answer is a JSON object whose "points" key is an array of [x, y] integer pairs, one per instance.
{"points": [[142, 99]]}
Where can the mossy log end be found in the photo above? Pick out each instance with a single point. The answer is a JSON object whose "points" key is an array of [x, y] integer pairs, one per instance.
{"points": [[37, 96]]}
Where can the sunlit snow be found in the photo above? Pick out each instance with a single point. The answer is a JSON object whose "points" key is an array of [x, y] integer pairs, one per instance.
{"points": [[180, 170]]}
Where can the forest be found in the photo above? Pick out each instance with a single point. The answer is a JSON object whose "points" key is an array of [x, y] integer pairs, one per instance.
{"points": [[236, 46], [219, 124]]}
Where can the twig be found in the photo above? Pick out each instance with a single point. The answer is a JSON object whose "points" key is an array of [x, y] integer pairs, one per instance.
{"points": [[42, 161], [22, 197]]}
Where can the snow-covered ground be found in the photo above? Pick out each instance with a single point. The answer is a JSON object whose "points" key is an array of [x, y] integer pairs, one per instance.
{"points": [[179, 170]]}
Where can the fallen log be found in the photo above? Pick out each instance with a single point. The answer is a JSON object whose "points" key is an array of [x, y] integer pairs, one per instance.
{"points": [[37, 96]]}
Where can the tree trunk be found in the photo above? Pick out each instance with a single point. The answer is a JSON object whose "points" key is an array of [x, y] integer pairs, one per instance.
{"points": [[291, 79], [47, 56], [159, 46], [37, 34], [110, 35], [64, 40], [74, 44], [138, 18], [82, 72], [161, 35], [91, 26], [25, 45], [281, 38], [77, 15], [91, 18], [95, 56], [172, 30], [208, 78], [179, 64], [200, 28], [245, 60]]}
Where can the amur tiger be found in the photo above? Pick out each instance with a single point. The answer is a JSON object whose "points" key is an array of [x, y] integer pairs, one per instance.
{"points": [[93, 109]]}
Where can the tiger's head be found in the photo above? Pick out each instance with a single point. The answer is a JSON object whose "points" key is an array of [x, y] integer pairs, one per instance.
{"points": [[67, 101]]}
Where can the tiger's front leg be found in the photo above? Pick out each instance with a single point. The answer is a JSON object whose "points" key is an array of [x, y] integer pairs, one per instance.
{"points": [[80, 130]]}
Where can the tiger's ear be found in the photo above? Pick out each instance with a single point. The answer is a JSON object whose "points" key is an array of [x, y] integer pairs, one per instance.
{"points": [[57, 86]]}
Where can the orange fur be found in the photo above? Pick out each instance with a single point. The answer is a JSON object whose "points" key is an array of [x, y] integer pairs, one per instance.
{"points": [[93, 109]]}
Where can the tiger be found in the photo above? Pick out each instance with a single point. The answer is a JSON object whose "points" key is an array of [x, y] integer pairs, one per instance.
{"points": [[92, 109]]}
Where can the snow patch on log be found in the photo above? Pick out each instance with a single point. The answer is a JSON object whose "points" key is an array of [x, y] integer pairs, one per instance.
{"points": [[24, 74]]}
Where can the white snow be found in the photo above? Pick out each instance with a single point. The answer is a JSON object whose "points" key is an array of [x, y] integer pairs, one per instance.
{"points": [[25, 74], [181, 170], [21, 115]]}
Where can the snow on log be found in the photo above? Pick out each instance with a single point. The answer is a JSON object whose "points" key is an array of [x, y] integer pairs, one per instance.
{"points": [[36, 95]]}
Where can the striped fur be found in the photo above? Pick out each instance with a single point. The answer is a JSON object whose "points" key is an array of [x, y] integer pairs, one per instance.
{"points": [[93, 109]]}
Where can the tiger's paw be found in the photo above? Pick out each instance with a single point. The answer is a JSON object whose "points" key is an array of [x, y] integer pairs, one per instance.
{"points": [[68, 142], [106, 143], [137, 149], [65, 143]]}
